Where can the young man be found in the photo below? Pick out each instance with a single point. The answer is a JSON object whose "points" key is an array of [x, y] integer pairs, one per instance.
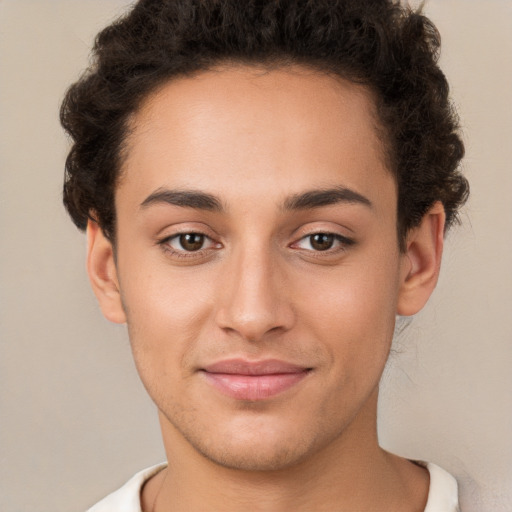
{"points": [[265, 186]]}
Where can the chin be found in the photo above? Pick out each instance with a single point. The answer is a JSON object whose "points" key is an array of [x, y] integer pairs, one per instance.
{"points": [[261, 458], [252, 446]]}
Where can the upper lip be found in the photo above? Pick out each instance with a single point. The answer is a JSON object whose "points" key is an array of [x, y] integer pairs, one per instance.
{"points": [[246, 367]]}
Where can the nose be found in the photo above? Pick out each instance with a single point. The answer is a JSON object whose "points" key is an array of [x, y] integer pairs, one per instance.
{"points": [[253, 298]]}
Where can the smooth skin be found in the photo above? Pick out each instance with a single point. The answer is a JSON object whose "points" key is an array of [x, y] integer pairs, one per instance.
{"points": [[256, 219]]}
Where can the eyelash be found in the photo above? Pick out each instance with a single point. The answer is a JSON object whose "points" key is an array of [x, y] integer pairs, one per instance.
{"points": [[344, 244]]}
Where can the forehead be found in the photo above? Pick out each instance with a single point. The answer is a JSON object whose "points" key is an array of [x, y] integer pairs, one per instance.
{"points": [[256, 129]]}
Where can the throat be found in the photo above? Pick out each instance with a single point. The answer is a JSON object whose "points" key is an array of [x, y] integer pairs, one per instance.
{"points": [[394, 484]]}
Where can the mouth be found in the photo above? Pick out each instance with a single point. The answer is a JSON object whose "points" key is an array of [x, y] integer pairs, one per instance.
{"points": [[253, 380]]}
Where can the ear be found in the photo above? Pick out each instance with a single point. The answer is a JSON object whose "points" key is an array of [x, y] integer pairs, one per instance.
{"points": [[102, 271], [422, 261]]}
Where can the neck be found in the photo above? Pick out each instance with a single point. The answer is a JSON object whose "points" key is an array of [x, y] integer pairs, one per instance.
{"points": [[350, 473]]}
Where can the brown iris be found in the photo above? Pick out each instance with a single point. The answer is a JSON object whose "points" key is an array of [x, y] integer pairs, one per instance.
{"points": [[191, 241], [321, 241]]}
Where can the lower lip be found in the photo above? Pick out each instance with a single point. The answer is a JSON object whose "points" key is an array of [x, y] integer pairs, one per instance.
{"points": [[254, 387]]}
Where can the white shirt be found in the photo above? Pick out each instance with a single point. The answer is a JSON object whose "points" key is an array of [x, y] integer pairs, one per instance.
{"points": [[442, 494]]}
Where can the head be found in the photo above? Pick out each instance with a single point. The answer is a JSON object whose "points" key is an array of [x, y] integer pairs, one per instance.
{"points": [[263, 183]]}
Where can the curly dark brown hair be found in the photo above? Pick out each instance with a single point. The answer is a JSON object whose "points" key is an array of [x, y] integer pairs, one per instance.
{"points": [[378, 43]]}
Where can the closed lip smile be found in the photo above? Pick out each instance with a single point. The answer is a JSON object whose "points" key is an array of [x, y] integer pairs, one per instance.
{"points": [[253, 380]]}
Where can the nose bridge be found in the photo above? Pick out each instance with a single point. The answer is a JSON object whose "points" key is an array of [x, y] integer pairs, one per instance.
{"points": [[254, 299]]}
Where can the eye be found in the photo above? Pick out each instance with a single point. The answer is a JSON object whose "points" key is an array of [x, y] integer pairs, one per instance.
{"points": [[189, 242], [323, 242]]}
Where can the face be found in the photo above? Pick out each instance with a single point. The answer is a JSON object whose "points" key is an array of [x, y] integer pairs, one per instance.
{"points": [[258, 262]]}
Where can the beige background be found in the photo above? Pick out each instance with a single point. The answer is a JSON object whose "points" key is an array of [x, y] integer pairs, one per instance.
{"points": [[75, 421]]}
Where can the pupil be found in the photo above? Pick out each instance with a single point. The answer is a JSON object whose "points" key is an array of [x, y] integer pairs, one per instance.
{"points": [[322, 241], [191, 241]]}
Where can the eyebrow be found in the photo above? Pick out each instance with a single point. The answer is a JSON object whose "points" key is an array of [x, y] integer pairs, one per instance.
{"points": [[305, 201], [185, 198], [325, 197]]}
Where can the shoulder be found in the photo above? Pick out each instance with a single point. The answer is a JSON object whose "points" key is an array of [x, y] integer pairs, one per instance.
{"points": [[127, 498], [443, 493]]}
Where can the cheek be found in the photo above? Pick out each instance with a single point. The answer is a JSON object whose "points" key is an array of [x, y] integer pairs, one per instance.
{"points": [[353, 311], [166, 312]]}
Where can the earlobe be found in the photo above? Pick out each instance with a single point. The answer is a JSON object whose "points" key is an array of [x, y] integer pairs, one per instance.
{"points": [[102, 272], [422, 261]]}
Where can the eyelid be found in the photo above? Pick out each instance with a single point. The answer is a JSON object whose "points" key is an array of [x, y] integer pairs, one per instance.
{"points": [[184, 227]]}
